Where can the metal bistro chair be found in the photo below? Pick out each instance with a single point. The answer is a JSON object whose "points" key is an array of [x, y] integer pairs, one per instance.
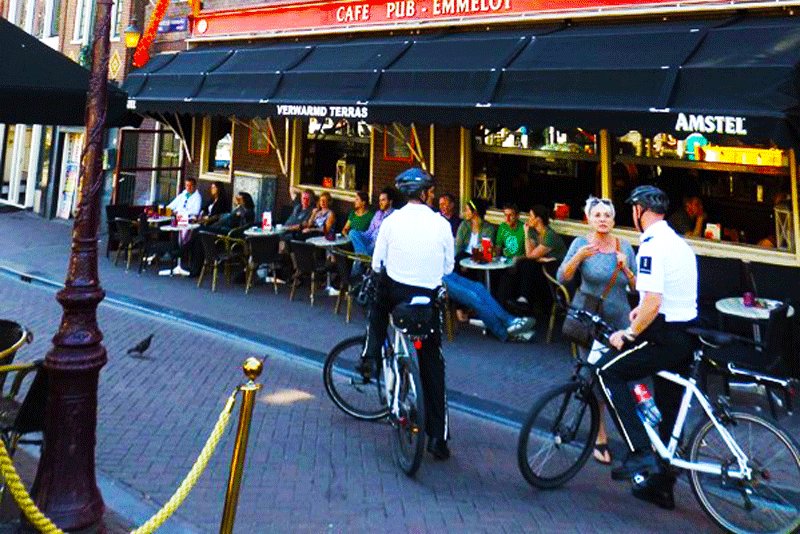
{"points": [[308, 260], [129, 239], [152, 245], [263, 251], [19, 417], [344, 266], [561, 301], [12, 337], [220, 250]]}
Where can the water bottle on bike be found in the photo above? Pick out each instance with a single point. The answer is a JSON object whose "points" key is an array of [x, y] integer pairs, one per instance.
{"points": [[646, 406]]}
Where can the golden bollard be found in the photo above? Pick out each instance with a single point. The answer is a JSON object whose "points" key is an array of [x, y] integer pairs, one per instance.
{"points": [[252, 368]]}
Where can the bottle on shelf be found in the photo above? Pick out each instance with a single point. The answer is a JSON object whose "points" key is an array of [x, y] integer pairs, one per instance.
{"points": [[646, 406]]}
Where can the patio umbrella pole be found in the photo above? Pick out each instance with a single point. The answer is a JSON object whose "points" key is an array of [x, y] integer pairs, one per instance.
{"points": [[65, 488]]}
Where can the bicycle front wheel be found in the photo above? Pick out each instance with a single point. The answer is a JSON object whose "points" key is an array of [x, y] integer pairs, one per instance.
{"points": [[770, 501], [557, 437], [347, 388], [409, 425]]}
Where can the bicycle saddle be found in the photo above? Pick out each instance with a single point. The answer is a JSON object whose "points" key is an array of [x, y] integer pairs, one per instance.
{"points": [[415, 318], [716, 338]]}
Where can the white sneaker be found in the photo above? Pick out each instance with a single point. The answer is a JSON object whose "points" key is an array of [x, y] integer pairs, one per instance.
{"points": [[520, 324]]}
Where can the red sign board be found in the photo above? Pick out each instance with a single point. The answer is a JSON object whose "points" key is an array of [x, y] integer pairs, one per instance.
{"points": [[348, 15]]}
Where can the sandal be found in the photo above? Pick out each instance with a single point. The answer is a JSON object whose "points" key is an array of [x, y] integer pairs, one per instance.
{"points": [[602, 454]]}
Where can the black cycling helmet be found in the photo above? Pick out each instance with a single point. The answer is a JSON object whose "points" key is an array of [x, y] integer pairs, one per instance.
{"points": [[650, 198], [413, 181]]}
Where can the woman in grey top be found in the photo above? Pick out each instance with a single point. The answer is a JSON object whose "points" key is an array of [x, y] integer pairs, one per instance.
{"points": [[596, 257]]}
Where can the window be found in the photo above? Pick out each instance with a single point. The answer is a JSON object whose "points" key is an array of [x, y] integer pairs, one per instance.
{"points": [[336, 154], [116, 20], [83, 21], [55, 17], [18, 12], [735, 194], [47, 19], [217, 146], [547, 167]]}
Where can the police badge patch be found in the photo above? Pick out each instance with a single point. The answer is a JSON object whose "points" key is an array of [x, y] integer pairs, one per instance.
{"points": [[645, 265]]}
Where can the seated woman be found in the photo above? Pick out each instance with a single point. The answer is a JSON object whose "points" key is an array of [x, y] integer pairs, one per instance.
{"points": [[322, 218], [217, 206], [473, 228], [360, 216], [243, 214], [498, 321]]}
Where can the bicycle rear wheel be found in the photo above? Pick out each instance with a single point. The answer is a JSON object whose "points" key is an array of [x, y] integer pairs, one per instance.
{"points": [[409, 426], [557, 437], [359, 398], [770, 502]]}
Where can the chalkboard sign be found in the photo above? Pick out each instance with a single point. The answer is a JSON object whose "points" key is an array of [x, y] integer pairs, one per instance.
{"points": [[261, 187]]}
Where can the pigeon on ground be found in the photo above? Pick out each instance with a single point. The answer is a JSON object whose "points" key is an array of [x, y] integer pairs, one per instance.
{"points": [[139, 349]]}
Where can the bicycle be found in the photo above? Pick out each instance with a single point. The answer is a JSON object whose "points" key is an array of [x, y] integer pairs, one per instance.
{"points": [[395, 390], [744, 470]]}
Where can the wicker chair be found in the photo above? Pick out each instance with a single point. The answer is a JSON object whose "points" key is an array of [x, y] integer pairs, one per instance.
{"points": [[220, 250], [129, 240], [308, 261], [344, 266], [561, 300]]}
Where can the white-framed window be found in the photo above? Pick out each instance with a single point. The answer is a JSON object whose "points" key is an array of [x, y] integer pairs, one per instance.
{"points": [[116, 20], [216, 148], [83, 21]]}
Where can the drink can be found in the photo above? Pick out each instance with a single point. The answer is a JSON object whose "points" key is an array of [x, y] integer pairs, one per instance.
{"points": [[486, 244], [749, 299]]}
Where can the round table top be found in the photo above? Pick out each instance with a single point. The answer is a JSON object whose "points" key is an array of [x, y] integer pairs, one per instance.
{"points": [[735, 306], [322, 241], [179, 227], [497, 263], [158, 219], [256, 231]]}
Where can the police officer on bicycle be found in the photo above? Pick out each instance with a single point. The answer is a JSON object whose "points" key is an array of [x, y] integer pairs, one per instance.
{"points": [[656, 340], [414, 248]]}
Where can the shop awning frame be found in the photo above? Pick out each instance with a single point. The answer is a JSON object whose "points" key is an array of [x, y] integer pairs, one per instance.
{"points": [[39, 85], [646, 76]]}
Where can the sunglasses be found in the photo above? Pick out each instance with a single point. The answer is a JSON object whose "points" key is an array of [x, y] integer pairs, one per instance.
{"points": [[604, 201]]}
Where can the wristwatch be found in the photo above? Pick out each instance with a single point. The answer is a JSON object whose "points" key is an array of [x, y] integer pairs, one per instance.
{"points": [[629, 334]]}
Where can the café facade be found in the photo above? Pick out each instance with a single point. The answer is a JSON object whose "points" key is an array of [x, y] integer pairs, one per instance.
{"points": [[515, 101]]}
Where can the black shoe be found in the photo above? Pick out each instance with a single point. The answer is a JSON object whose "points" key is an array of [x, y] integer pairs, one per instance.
{"points": [[655, 488], [364, 367], [438, 448]]}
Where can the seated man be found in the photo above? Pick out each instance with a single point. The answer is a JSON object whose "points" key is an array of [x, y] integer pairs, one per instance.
{"points": [[301, 212], [690, 220], [188, 202], [364, 242], [498, 321]]}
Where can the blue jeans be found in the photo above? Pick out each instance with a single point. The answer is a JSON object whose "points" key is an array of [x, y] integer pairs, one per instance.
{"points": [[361, 245], [474, 295]]}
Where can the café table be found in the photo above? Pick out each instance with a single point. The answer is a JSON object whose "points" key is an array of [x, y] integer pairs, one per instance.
{"points": [[495, 265], [327, 244], [734, 307], [178, 270], [158, 219], [256, 231]]}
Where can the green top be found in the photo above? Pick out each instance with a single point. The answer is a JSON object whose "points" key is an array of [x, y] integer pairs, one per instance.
{"points": [[553, 241], [465, 231], [511, 240], [360, 222]]}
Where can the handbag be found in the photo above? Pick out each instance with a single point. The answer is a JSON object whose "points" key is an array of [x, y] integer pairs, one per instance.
{"points": [[579, 332]]}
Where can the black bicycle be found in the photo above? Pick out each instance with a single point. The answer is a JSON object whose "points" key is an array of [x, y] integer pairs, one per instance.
{"points": [[743, 469]]}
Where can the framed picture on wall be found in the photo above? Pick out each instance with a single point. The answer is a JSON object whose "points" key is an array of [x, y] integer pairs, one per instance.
{"points": [[396, 141], [257, 137]]}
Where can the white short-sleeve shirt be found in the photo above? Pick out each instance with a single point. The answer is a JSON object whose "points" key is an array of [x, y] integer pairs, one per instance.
{"points": [[667, 265]]}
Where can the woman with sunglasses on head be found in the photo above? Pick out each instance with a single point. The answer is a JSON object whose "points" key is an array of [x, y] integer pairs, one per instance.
{"points": [[605, 266]]}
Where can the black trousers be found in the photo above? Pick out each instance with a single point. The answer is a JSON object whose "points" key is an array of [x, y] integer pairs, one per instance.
{"points": [[431, 361], [661, 347]]}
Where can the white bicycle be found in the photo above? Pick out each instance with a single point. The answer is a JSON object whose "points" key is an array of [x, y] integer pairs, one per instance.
{"points": [[744, 470]]}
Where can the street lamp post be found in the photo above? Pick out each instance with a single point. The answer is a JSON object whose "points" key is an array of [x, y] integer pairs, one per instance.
{"points": [[65, 488]]}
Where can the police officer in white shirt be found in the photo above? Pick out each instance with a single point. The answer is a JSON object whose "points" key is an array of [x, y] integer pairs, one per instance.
{"points": [[414, 248], [655, 340], [188, 202]]}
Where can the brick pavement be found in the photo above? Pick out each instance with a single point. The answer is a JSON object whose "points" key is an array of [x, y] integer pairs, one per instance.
{"points": [[309, 467], [301, 444]]}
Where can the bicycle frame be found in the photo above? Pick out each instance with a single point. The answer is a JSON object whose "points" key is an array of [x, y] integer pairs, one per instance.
{"points": [[667, 452], [399, 349]]}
